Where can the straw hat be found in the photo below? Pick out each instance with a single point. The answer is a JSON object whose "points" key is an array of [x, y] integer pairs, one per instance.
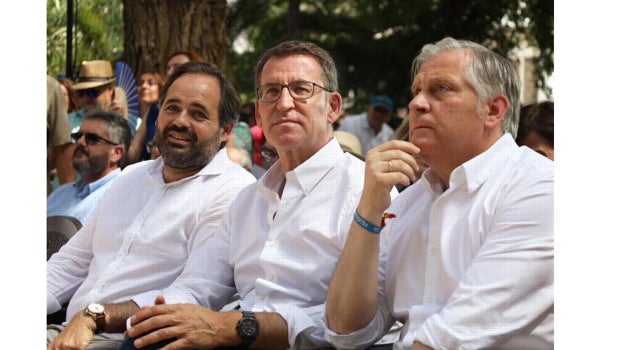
{"points": [[349, 143], [94, 74]]}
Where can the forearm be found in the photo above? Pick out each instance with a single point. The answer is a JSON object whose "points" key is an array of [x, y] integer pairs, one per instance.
{"points": [[273, 332], [136, 146], [352, 294]]}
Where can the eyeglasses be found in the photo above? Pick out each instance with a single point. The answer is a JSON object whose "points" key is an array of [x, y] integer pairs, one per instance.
{"points": [[91, 138], [268, 155], [299, 90], [93, 93]]}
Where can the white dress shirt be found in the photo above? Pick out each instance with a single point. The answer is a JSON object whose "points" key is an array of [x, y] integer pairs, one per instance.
{"points": [[280, 254], [358, 126], [470, 267], [137, 240]]}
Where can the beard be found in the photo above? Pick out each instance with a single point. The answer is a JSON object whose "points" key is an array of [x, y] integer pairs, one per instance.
{"points": [[92, 167], [196, 155]]}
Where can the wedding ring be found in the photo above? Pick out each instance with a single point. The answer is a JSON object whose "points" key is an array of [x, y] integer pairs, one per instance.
{"points": [[390, 166]]}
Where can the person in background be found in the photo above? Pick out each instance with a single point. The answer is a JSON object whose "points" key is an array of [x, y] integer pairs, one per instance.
{"points": [[281, 238], [72, 102], [180, 57], [239, 156], [99, 154], [95, 87], [59, 147], [465, 259], [241, 134], [149, 85], [537, 128], [371, 127], [150, 215]]}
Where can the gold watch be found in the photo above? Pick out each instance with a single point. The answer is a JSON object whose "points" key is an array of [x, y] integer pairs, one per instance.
{"points": [[97, 312]]}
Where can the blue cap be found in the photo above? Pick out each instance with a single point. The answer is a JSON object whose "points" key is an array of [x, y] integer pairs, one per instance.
{"points": [[382, 101]]}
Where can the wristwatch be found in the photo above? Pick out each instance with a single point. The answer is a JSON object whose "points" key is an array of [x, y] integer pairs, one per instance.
{"points": [[248, 328], [97, 312]]}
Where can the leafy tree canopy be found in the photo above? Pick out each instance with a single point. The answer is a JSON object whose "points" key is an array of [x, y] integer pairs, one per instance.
{"points": [[373, 42]]}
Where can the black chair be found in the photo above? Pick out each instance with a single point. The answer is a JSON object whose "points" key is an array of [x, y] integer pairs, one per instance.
{"points": [[60, 229]]}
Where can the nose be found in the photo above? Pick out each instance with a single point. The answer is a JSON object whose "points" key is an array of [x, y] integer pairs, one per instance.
{"points": [[419, 103], [182, 119], [285, 101]]}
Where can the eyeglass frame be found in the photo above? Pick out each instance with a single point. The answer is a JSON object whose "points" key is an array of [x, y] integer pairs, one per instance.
{"points": [[287, 86], [91, 138]]}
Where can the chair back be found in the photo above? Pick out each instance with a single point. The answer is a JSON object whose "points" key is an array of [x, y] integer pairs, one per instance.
{"points": [[60, 229]]}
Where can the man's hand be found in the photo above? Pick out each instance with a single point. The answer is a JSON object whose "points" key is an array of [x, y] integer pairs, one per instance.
{"points": [[77, 334], [388, 164], [191, 325]]}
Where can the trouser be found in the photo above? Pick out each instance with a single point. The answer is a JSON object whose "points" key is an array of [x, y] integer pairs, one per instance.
{"points": [[98, 343]]}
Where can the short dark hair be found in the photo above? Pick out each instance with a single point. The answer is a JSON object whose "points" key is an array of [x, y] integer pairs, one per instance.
{"points": [[538, 117], [118, 129], [229, 102]]}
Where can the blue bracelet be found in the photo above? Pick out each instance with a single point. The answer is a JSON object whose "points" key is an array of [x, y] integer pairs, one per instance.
{"points": [[368, 226]]}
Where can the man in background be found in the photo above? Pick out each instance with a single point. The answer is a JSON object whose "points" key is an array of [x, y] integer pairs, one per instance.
{"points": [[99, 155], [371, 127]]}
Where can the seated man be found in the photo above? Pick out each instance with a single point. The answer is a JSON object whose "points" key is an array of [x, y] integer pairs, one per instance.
{"points": [[137, 240], [99, 155], [466, 262], [279, 242]]}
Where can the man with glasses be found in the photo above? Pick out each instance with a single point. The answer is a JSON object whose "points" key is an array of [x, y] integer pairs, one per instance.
{"points": [[281, 238], [99, 155], [137, 240], [95, 87]]}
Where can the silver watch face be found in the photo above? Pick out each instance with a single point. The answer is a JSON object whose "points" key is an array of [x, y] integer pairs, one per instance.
{"points": [[96, 308]]}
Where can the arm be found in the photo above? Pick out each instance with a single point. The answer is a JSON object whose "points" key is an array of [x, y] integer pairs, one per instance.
{"points": [[81, 328], [138, 141], [510, 278], [63, 163], [194, 327], [358, 265]]}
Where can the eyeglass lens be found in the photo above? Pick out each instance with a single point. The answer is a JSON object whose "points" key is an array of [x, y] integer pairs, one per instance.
{"points": [[90, 138]]}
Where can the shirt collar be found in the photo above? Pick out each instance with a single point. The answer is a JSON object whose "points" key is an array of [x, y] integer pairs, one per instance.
{"points": [[84, 190], [475, 171], [308, 174], [216, 166]]}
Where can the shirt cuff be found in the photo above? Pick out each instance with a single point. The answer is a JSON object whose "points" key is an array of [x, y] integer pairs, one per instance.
{"points": [[362, 338]]}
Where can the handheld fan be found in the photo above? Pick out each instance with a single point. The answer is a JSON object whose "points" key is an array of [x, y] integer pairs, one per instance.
{"points": [[125, 79]]}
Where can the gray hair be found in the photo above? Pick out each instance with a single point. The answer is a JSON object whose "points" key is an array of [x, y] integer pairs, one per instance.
{"points": [[117, 127], [488, 73]]}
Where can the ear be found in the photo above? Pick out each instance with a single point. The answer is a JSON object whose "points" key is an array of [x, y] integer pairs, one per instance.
{"points": [[226, 130], [496, 109], [335, 107], [116, 153]]}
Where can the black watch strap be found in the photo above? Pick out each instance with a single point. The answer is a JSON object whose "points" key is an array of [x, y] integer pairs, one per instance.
{"points": [[248, 328]]}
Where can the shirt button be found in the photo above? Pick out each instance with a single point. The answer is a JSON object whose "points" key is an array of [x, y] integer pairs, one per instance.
{"points": [[434, 251], [270, 243], [271, 277], [261, 296]]}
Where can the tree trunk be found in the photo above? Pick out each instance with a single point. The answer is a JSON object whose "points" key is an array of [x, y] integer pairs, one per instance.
{"points": [[156, 28]]}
